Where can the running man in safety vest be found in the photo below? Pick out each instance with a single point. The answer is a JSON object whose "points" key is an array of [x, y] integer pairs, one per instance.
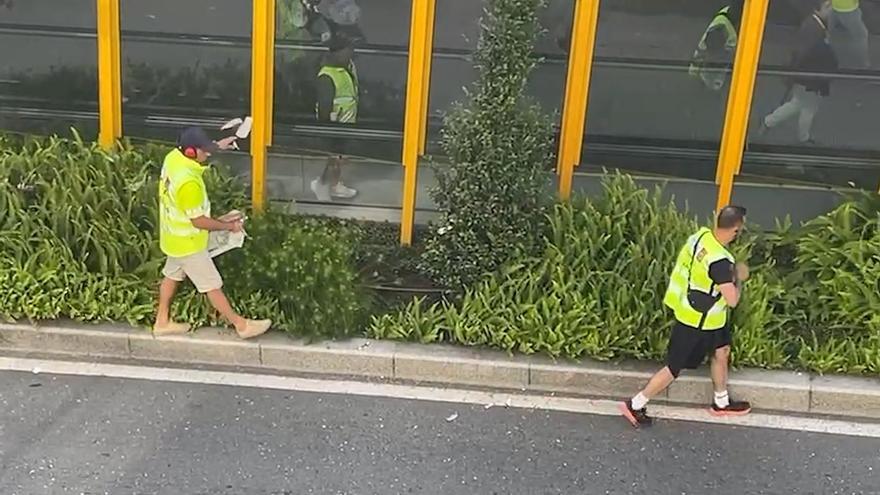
{"points": [[849, 33], [714, 54], [184, 223], [337, 103], [704, 284]]}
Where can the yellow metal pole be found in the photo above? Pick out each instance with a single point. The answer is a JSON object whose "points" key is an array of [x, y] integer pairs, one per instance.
{"points": [[414, 114], [109, 76], [739, 101], [426, 75], [117, 69], [577, 89], [270, 80], [260, 108]]}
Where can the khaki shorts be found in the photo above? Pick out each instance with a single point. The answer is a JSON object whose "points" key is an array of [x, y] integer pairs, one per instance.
{"points": [[199, 268]]}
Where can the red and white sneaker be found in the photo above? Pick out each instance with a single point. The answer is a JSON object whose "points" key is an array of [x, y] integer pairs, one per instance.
{"points": [[735, 408]]}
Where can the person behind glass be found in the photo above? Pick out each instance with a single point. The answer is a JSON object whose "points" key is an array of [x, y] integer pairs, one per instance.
{"points": [[184, 225], [804, 92], [338, 104], [341, 16], [705, 283], [849, 35], [713, 57]]}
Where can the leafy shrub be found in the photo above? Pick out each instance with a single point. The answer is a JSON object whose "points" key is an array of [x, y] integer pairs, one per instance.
{"points": [[832, 280], [595, 291], [78, 239], [493, 195]]}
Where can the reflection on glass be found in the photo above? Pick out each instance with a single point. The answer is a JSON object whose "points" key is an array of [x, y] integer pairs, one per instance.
{"points": [[815, 101], [76, 14], [231, 18], [811, 53], [176, 71], [48, 81], [661, 77], [340, 81]]}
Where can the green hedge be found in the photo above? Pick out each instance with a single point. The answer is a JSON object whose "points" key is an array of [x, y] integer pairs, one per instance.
{"points": [[596, 290], [78, 240]]}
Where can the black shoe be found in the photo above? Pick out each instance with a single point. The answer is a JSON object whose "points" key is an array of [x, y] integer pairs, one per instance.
{"points": [[637, 418], [735, 408]]}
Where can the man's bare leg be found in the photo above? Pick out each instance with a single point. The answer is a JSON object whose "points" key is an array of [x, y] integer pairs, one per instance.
{"points": [[634, 409], [164, 325], [658, 383], [246, 328], [722, 404], [219, 301], [720, 363], [167, 289]]}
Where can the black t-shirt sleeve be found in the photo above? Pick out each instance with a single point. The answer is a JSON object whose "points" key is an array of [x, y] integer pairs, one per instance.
{"points": [[721, 272]]}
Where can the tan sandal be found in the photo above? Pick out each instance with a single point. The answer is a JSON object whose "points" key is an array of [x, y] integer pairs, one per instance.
{"points": [[172, 328], [254, 328]]}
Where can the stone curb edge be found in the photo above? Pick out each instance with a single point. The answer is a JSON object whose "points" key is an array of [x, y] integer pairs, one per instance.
{"points": [[783, 391]]}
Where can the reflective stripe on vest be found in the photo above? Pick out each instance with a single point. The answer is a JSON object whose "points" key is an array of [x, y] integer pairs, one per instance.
{"points": [[177, 235], [844, 5], [714, 76], [345, 101], [708, 250]]}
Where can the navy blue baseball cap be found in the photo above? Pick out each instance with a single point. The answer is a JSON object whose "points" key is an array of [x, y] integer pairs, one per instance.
{"points": [[196, 137]]}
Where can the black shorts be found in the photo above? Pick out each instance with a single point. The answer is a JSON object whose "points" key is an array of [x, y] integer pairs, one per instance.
{"points": [[688, 346]]}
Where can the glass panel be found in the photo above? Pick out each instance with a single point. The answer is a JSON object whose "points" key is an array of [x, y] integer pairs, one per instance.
{"points": [[231, 18], [49, 81], [456, 34], [80, 14], [184, 63], [362, 147], [649, 113], [818, 100]]}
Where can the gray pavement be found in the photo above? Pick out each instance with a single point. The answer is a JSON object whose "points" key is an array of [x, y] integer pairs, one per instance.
{"points": [[101, 435]]}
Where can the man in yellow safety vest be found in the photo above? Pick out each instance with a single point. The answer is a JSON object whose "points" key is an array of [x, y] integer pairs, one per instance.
{"points": [[713, 57], [184, 223], [704, 284], [338, 98], [849, 35]]}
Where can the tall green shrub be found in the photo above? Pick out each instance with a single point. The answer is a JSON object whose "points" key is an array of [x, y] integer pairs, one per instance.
{"points": [[494, 194]]}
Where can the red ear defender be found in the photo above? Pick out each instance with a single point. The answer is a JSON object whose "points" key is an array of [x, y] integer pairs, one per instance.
{"points": [[190, 152]]}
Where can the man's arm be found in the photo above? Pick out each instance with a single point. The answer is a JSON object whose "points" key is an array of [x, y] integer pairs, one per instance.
{"points": [[326, 95], [190, 199], [722, 273], [214, 225]]}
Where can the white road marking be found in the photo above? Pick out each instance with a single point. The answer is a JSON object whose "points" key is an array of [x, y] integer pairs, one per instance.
{"points": [[434, 394]]}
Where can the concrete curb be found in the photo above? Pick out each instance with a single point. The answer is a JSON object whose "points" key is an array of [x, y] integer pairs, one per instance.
{"points": [[783, 391]]}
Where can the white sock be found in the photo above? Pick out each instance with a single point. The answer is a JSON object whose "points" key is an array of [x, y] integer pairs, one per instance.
{"points": [[639, 401], [722, 399]]}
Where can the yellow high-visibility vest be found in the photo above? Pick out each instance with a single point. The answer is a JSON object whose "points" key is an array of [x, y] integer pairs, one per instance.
{"points": [[345, 103], [177, 235], [691, 272]]}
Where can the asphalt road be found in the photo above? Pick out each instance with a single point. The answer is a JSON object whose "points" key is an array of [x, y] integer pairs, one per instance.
{"points": [[89, 435]]}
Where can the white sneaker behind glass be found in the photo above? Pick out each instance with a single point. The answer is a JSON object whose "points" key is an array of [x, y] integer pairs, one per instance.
{"points": [[341, 191]]}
